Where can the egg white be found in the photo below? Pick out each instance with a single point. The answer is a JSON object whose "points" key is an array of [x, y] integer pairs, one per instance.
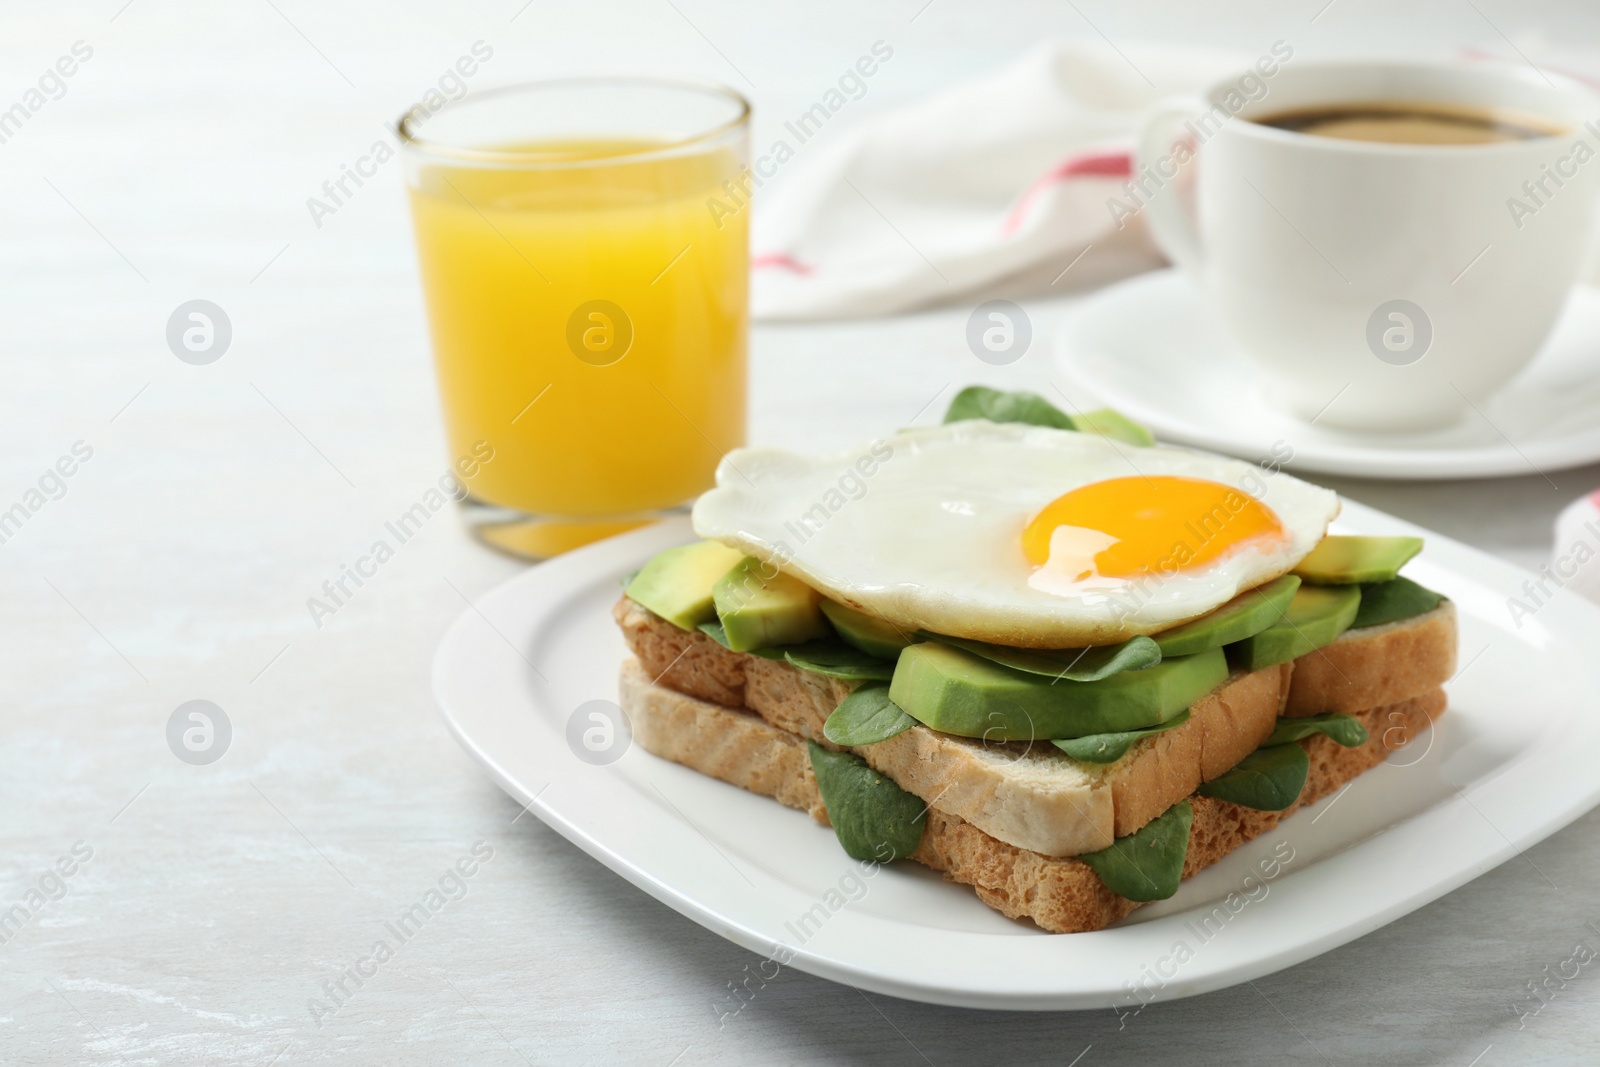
{"points": [[924, 529]]}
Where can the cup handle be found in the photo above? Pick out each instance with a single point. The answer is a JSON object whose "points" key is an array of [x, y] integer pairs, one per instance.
{"points": [[1174, 231]]}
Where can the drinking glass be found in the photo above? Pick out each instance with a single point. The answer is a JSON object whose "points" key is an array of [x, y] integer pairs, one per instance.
{"points": [[586, 278]]}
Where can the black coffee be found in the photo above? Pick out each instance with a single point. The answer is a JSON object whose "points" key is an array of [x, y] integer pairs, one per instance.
{"points": [[1412, 123]]}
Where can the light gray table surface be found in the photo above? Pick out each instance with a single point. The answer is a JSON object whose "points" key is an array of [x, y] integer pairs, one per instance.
{"points": [[216, 900]]}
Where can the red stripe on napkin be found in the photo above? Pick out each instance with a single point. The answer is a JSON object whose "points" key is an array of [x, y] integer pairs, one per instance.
{"points": [[1115, 163], [778, 259]]}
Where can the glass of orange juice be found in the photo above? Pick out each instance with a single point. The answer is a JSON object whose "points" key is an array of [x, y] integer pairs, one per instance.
{"points": [[586, 279]]}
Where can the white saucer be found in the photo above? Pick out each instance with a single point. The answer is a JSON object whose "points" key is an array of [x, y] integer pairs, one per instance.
{"points": [[1149, 348]]}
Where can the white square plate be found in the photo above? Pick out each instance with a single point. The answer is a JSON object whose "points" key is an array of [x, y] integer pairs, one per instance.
{"points": [[1512, 761]]}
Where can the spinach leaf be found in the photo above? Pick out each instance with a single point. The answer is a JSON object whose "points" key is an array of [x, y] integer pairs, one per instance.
{"points": [[996, 405], [1269, 779], [1066, 664], [825, 656], [1391, 601], [838, 660], [873, 818], [1108, 748], [1344, 729], [866, 717], [1147, 864], [981, 402]]}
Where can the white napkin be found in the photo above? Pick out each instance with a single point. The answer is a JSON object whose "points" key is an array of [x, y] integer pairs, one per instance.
{"points": [[998, 186], [998, 183]]}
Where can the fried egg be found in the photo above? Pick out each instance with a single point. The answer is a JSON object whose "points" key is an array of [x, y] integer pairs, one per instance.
{"points": [[1018, 535]]}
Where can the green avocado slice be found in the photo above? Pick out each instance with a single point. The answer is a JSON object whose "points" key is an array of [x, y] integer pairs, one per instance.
{"points": [[1316, 616], [761, 607], [1066, 664], [1244, 616], [959, 693], [870, 635], [1354, 560], [676, 584], [822, 656], [714, 631]]}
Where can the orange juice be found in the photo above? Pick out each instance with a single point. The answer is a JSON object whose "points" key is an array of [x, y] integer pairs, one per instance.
{"points": [[589, 320]]}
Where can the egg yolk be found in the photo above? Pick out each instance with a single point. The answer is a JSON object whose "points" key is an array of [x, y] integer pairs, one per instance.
{"points": [[1159, 523]]}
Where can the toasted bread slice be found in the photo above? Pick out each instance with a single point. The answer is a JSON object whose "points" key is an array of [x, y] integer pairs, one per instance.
{"points": [[1377, 665], [735, 746], [1032, 796], [1060, 894]]}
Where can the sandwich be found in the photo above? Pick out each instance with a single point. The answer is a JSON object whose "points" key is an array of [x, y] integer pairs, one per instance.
{"points": [[1033, 651]]}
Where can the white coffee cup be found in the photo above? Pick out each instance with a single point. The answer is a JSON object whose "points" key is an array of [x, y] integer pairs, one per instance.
{"points": [[1377, 286]]}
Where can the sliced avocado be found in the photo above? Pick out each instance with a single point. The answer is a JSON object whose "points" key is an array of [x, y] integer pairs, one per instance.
{"points": [[1115, 425], [1353, 560], [676, 584], [1065, 664], [1392, 601], [1248, 613], [1315, 616], [759, 607], [825, 655], [870, 635], [955, 691], [714, 631]]}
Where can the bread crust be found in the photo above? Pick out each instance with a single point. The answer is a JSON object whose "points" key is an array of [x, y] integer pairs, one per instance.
{"points": [[1377, 665], [1224, 727], [678, 659], [734, 746], [1032, 796], [1060, 894], [1064, 895]]}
